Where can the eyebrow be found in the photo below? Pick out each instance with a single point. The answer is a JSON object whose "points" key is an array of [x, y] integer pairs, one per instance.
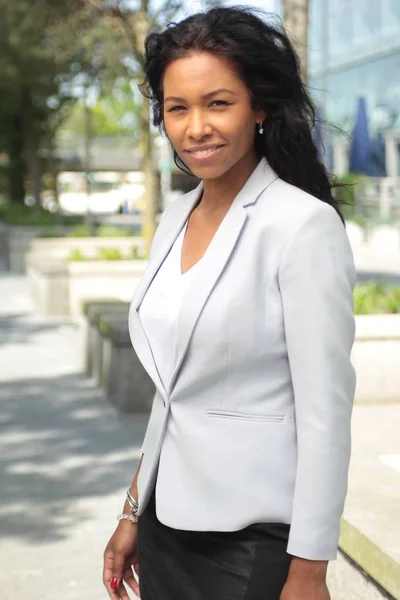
{"points": [[204, 96]]}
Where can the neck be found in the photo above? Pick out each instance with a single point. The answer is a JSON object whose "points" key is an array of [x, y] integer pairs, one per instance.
{"points": [[219, 193]]}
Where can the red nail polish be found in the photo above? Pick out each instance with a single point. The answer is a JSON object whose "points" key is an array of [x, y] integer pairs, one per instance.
{"points": [[114, 583]]}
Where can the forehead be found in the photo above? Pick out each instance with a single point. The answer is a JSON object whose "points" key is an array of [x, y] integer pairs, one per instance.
{"points": [[193, 73]]}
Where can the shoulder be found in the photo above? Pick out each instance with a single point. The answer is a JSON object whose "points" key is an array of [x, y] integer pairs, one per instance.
{"points": [[285, 210]]}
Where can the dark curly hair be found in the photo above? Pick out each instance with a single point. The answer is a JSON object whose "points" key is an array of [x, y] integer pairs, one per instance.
{"points": [[270, 67]]}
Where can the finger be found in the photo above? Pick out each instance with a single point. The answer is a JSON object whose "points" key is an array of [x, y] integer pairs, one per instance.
{"points": [[132, 559], [116, 562], [122, 593], [114, 594], [136, 565], [107, 576], [130, 579]]}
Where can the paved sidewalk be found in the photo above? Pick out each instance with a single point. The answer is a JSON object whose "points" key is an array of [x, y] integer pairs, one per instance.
{"points": [[66, 458]]}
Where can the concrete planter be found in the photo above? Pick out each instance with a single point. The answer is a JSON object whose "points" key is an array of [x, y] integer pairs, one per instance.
{"points": [[48, 284], [376, 358], [102, 279], [111, 360], [127, 384], [15, 244], [382, 238], [60, 248], [376, 250], [61, 288]]}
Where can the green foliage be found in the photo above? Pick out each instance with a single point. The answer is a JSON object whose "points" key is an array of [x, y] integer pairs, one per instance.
{"points": [[20, 214], [103, 231], [76, 255], [109, 254], [135, 253], [345, 193], [115, 113], [79, 232], [359, 219], [113, 231], [32, 86], [51, 232], [372, 298], [138, 253]]}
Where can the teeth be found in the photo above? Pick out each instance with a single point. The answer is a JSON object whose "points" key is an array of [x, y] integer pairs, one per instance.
{"points": [[204, 152]]}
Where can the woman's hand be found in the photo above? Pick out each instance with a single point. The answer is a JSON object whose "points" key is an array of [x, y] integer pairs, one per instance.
{"points": [[305, 590], [306, 580], [120, 556]]}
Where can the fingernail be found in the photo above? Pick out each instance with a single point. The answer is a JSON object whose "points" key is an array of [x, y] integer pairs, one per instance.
{"points": [[114, 583]]}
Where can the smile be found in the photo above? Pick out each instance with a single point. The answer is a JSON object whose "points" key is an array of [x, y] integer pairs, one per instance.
{"points": [[205, 154]]}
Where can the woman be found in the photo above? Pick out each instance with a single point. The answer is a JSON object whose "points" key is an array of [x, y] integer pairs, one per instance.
{"points": [[244, 321]]}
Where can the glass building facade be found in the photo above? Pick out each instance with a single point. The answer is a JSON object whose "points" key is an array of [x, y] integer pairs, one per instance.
{"points": [[354, 51]]}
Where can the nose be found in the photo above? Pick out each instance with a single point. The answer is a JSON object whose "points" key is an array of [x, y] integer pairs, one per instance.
{"points": [[198, 125]]}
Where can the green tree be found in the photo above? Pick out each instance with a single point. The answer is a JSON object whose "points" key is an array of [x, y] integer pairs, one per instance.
{"points": [[295, 20], [115, 113], [31, 88], [136, 22]]}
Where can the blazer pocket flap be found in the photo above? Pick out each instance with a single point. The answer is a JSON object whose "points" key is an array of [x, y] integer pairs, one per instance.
{"points": [[233, 414]]}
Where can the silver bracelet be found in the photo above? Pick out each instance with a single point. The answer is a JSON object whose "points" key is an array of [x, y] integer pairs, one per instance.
{"points": [[132, 518], [132, 502]]}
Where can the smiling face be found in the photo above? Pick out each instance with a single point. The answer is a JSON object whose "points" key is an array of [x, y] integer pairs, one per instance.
{"points": [[194, 116]]}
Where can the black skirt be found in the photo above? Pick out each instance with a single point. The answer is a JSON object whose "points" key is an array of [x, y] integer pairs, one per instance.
{"points": [[249, 564]]}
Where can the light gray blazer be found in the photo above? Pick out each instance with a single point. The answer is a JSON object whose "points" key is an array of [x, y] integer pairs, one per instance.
{"points": [[255, 424]]}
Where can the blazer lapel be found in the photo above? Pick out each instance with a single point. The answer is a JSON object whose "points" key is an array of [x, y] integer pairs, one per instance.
{"points": [[216, 257], [137, 333], [165, 245]]}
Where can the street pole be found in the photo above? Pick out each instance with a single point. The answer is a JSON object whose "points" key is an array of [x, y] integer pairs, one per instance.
{"points": [[325, 66], [295, 20], [165, 166], [149, 216], [87, 160]]}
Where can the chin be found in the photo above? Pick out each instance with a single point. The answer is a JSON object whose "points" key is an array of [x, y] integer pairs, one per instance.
{"points": [[211, 171]]}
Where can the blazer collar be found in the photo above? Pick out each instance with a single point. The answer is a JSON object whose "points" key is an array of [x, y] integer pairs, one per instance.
{"points": [[262, 176], [213, 263]]}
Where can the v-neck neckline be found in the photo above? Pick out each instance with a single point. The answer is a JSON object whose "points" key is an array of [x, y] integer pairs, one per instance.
{"points": [[182, 237]]}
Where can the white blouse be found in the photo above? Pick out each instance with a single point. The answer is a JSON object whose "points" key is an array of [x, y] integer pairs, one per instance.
{"points": [[160, 307]]}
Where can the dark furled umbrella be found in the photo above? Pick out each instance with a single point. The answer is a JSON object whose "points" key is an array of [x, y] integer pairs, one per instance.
{"points": [[322, 139], [360, 148], [377, 166]]}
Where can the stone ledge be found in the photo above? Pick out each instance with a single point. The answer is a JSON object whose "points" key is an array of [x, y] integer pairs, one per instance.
{"points": [[372, 559], [375, 358], [115, 327], [378, 327], [93, 309], [370, 527]]}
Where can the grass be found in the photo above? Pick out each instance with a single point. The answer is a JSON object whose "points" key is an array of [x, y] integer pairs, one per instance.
{"points": [[376, 298], [135, 253]]}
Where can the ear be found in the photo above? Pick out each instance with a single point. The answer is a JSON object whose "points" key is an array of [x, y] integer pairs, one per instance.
{"points": [[261, 115]]}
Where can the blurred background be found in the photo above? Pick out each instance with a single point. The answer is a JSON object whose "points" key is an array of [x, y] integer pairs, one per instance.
{"points": [[84, 177]]}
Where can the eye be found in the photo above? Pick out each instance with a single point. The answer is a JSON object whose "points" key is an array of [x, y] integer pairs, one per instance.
{"points": [[220, 102]]}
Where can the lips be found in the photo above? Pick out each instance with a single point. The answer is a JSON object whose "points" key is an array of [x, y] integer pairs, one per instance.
{"points": [[204, 148], [206, 156]]}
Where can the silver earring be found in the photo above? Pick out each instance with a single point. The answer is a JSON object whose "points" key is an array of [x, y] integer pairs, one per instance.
{"points": [[261, 130]]}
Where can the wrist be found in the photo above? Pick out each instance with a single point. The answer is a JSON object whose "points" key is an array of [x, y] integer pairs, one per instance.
{"points": [[125, 525], [305, 569]]}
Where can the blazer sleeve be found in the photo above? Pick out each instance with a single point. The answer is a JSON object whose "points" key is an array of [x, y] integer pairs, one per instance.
{"points": [[316, 279]]}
